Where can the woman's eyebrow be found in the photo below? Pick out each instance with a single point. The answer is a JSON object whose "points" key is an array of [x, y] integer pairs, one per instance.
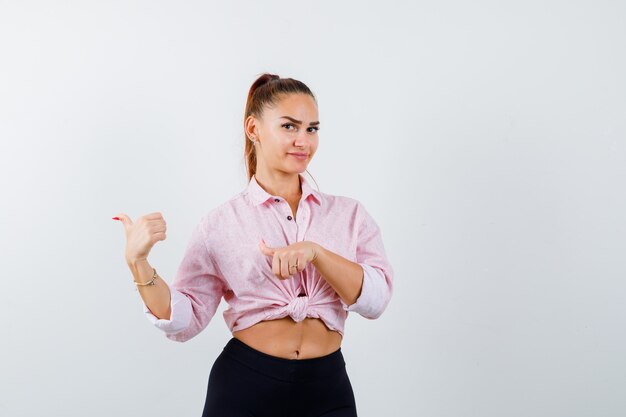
{"points": [[299, 122]]}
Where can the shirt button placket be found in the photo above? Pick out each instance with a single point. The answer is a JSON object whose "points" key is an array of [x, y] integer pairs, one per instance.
{"points": [[290, 218], [295, 224]]}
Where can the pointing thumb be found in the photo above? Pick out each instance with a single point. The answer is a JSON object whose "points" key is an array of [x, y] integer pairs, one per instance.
{"points": [[266, 250], [126, 221]]}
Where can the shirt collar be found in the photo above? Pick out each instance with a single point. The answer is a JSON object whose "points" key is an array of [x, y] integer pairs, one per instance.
{"points": [[258, 195]]}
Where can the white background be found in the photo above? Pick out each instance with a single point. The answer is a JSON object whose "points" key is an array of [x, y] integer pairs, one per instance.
{"points": [[487, 139]]}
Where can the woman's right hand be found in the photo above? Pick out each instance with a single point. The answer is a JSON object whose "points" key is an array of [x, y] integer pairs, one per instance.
{"points": [[142, 235]]}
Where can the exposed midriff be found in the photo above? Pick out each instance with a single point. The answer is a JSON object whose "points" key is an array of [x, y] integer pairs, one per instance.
{"points": [[285, 338]]}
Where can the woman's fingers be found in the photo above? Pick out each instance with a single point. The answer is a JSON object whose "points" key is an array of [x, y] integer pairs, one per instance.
{"points": [[288, 261]]}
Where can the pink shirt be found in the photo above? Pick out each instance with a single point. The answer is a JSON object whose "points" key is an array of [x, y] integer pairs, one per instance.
{"points": [[223, 260]]}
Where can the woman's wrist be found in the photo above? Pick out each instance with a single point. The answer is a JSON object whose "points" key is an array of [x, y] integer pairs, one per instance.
{"points": [[134, 262]]}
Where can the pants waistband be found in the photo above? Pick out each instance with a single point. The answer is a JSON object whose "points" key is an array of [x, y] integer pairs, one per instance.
{"points": [[282, 368]]}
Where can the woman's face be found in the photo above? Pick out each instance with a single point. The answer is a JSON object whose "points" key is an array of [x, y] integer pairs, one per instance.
{"points": [[288, 128]]}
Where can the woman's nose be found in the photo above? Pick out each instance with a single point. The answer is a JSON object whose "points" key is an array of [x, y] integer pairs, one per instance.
{"points": [[302, 139]]}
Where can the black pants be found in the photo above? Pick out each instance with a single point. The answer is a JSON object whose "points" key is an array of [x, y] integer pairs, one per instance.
{"points": [[247, 382]]}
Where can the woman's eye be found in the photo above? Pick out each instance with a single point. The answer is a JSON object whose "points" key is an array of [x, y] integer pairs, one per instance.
{"points": [[315, 128]]}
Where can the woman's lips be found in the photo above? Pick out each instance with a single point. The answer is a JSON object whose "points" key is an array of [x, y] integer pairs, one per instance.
{"points": [[301, 157]]}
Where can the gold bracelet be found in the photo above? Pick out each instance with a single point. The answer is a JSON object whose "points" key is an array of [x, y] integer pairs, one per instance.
{"points": [[151, 282]]}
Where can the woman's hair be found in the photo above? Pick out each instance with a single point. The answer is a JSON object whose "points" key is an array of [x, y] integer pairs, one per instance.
{"points": [[266, 91]]}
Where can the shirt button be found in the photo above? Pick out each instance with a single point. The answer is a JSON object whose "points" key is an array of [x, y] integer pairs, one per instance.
{"points": [[289, 217], [277, 200]]}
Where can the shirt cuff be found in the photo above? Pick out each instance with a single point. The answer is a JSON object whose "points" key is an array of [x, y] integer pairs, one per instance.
{"points": [[180, 316], [371, 300]]}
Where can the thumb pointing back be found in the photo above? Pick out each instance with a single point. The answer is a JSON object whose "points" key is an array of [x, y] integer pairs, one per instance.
{"points": [[126, 221]]}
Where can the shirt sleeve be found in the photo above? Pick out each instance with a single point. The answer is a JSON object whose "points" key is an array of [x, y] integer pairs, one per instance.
{"points": [[181, 312], [196, 291], [377, 287]]}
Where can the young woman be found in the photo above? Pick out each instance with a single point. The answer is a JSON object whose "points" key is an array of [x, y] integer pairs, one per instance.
{"points": [[289, 260]]}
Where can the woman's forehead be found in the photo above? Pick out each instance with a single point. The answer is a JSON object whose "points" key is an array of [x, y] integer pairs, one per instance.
{"points": [[295, 105]]}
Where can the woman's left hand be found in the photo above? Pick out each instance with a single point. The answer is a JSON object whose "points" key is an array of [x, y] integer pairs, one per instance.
{"points": [[286, 258]]}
